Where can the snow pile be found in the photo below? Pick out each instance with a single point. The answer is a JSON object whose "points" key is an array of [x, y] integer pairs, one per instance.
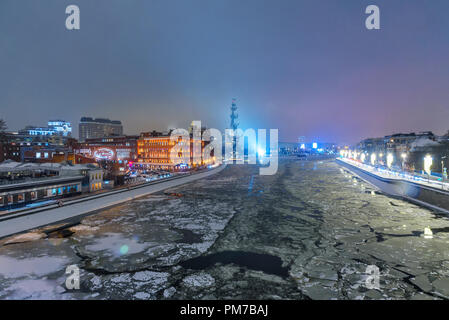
{"points": [[26, 237], [422, 143]]}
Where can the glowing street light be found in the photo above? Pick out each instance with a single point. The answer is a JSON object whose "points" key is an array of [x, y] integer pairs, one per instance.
{"points": [[403, 156], [428, 163], [389, 160], [373, 159], [362, 157]]}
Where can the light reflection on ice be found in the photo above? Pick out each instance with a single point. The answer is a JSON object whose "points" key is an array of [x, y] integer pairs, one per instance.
{"points": [[115, 243], [39, 266]]}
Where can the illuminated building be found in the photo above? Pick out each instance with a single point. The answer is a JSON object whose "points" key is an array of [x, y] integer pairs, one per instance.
{"points": [[54, 128], [9, 151], [154, 149], [120, 149], [24, 183], [90, 128]]}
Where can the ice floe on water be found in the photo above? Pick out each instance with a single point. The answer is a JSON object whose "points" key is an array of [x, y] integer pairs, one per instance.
{"points": [[117, 245], [36, 266], [201, 280], [314, 233], [35, 289]]}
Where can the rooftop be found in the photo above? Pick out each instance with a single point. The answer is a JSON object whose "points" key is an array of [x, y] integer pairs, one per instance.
{"points": [[9, 165], [99, 120]]}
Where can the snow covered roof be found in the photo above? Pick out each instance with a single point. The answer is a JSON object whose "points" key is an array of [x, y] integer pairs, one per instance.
{"points": [[10, 165], [423, 142]]}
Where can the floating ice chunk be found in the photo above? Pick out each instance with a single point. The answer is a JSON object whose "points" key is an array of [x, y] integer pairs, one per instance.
{"points": [[40, 266], [428, 234], [36, 290], [142, 296], [168, 293], [115, 245], [199, 280], [121, 278], [154, 277]]}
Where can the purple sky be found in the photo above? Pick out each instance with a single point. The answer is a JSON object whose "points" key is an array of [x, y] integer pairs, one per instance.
{"points": [[308, 68]]}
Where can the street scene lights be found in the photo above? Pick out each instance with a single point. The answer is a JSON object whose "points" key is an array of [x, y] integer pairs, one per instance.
{"points": [[443, 169], [428, 163], [389, 160], [403, 156], [362, 157], [373, 159]]}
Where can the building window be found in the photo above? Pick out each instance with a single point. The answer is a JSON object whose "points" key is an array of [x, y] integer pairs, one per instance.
{"points": [[20, 197], [45, 154], [10, 198], [1, 201], [38, 155]]}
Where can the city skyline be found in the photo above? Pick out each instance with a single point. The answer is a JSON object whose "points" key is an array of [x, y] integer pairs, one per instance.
{"points": [[309, 69]]}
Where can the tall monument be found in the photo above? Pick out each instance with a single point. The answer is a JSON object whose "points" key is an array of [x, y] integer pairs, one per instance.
{"points": [[234, 126]]}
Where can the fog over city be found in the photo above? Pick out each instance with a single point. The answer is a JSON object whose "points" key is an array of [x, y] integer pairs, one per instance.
{"points": [[309, 68]]}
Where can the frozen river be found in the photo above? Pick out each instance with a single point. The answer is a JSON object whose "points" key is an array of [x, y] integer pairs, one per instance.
{"points": [[310, 231]]}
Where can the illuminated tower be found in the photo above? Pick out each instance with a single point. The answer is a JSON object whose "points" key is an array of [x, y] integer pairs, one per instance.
{"points": [[234, 116], [234, 126]]}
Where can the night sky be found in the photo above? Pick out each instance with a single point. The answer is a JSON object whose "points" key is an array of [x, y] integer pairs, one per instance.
{"points": [[308, 68]]}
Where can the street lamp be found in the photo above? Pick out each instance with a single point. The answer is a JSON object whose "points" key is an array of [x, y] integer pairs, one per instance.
{"points": [[428, 164], [373, 159], [389, 160], [362, 157], [443, 169], [381, 158], [403, 156]]}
